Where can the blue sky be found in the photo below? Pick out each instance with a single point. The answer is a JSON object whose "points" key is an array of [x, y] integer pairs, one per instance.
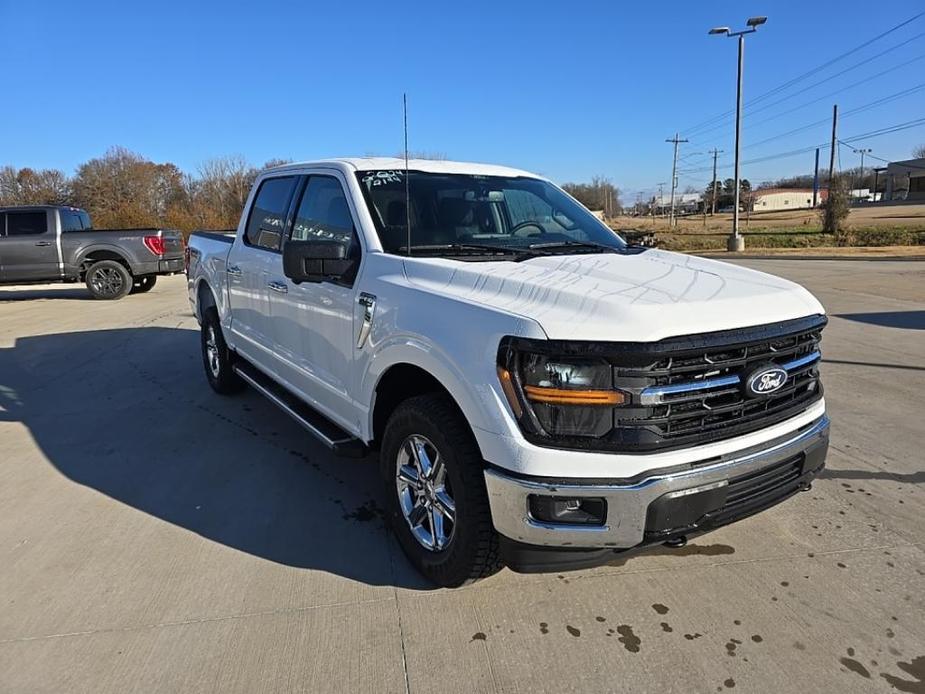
{"points": [[566, 89]]}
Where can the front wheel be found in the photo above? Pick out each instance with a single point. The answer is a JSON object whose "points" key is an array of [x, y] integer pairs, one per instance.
{"points": [[435, 492], [108, 279]]}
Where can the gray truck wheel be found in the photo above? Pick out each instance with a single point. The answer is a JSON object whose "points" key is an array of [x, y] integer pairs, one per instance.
{"points": [[108, 279], [216, 357], [435, 492], [144, 284]]}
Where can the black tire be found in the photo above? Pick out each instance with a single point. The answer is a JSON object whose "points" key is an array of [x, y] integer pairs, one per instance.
{"points": [[143, 284], [471, 551], [217, 359], [108, 280]]}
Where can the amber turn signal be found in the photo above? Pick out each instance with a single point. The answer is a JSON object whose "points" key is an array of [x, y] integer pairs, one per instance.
{"points": [[508, 387], [561, 396]]}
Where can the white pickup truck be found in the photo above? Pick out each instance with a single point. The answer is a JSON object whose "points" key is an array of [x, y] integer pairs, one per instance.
{"points": [[541, 394]]}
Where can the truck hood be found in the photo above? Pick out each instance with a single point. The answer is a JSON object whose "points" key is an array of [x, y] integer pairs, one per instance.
{"points": [[613, 297]]}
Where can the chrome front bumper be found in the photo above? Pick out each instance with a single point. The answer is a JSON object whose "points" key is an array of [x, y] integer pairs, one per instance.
{"points": [[628, 501]]}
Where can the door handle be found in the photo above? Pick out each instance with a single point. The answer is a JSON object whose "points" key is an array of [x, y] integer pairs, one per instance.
{"points": [[234, 270], [278, 287], [43, 243]]}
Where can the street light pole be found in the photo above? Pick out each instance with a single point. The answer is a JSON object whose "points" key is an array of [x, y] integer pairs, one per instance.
{"points": [[862, 152], [736, 241]]}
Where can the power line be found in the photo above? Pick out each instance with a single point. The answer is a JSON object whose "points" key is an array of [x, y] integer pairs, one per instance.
{"points": [[859, 109], [824, 145], [817, 99], [809, 73]]}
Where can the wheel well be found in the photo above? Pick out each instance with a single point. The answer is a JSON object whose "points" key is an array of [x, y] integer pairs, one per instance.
{"points": [[94, 256], [398, 383], [204, 298]]}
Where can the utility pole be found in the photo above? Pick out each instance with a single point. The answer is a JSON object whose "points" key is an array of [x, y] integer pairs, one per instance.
{"points": [[661, 197], [834, 145], [715, 152], [816, 181], [674, 173]]}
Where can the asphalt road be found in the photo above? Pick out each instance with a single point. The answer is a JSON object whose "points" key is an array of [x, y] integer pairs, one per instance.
{"points": [[156, 537]]}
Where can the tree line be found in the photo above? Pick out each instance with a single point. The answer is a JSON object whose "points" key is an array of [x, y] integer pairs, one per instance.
{"points": [[600, 194], [122, 189]]}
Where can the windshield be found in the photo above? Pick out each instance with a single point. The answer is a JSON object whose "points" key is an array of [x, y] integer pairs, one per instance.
{"points": [[463, 214]]}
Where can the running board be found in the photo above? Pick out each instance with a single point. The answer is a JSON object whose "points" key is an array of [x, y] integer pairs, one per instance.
{"points": [[315, 423]]}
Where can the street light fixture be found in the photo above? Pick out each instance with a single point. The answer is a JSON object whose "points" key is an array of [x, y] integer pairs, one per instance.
{"points": [[736, 242], [862, 152]]}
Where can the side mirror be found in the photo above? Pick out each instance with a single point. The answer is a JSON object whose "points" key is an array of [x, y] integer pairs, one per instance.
{"points": [[316, 261]]}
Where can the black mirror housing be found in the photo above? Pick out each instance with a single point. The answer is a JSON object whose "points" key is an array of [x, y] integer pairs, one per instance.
{"points": [[316, 261]]}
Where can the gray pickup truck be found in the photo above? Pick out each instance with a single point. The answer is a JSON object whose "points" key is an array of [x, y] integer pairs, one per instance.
{"points": [[46, 243]]}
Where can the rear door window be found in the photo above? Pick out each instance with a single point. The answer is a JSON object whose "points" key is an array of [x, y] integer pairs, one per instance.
{"points": [[71, 220], [267, 220], [26, 223]]}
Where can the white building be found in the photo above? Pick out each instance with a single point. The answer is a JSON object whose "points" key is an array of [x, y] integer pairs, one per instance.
{"points": [[684, 203], [776, 199]]}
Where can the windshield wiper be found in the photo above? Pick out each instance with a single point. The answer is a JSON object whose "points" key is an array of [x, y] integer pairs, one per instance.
{"points": [[466, 247], [553, 245]]}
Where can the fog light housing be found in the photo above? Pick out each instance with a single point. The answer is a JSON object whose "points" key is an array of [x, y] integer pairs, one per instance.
{"points": [[568, 511]]}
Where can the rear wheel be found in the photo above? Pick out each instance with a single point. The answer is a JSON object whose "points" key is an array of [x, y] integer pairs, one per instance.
{"points": [[108, 279], [144, 284], [435, 491], [216, 357]]}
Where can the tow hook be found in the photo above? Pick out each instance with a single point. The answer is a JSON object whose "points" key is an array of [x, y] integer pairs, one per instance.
{"points": [[676, 542]]}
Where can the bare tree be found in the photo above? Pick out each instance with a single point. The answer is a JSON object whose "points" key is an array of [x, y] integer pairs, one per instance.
{"points": [[919, 152], [33, 187]]}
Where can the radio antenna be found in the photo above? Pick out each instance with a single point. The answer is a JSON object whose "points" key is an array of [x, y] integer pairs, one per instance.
{"points": [[404, 99]]}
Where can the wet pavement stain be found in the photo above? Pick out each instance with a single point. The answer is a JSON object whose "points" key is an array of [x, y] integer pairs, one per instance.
{"points": [[731, 648], [544, 628], [572, 630], [691, 637], [916, 668], [855, 667], [666, 627], [478, 636], [729, 683], [661, 609], [630, 641], [757, 638], [601, 619], [365, 513]]}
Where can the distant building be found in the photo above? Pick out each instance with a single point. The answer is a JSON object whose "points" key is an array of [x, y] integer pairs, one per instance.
{"points": [[904, 180], [684, 203], [776, 199]]}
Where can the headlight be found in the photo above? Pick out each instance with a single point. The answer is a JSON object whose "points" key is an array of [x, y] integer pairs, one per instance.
{"points": [[558, 395]]}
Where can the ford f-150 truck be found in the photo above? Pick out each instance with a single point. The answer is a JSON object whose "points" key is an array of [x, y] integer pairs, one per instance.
{"points": [[48, 243], [540, 393]]}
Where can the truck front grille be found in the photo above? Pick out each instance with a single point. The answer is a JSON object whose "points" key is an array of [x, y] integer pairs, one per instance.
{"points": [[691, 390]]}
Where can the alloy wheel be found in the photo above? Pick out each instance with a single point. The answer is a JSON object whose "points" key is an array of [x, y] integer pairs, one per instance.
{"points": [[424, 493]]}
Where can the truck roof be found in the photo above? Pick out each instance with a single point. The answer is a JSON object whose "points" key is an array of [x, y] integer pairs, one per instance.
{"points": [[13, 208], [426, 165]]}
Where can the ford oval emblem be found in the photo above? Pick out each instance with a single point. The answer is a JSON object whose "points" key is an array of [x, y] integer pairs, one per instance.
{"points": [[765, 381]]}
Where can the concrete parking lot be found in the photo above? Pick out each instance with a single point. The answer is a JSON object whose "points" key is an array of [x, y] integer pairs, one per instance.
{"points": [[156, 537]]}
